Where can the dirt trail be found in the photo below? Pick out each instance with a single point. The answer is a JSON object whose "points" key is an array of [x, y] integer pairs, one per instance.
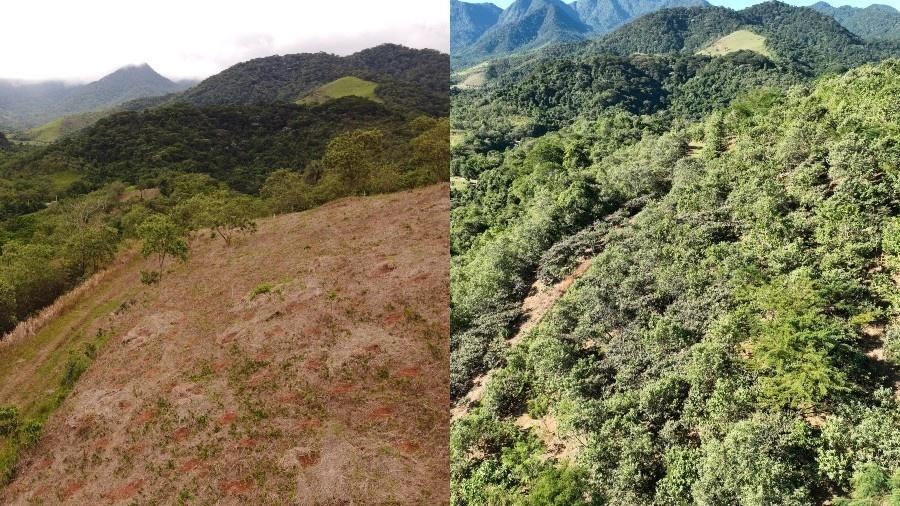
{"points": [[872, 343], [539, 301], [328, 389]]}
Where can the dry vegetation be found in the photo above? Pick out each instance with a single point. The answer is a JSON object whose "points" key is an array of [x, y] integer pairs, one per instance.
{"points": [[304, 364]]}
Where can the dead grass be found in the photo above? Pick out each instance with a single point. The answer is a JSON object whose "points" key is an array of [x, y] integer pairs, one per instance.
{"points": [[330, 390]]}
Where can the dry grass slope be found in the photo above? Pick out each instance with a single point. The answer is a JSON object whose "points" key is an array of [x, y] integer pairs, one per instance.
{"points": [[737, 41], [304, 365]]}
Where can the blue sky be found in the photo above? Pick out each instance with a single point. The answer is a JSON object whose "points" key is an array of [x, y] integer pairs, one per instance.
{"points": [[740, 4]]}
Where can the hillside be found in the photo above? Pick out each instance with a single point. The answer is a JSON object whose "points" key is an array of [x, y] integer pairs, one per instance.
{"points": [[26, 105], [238, 145], [260, 373], [413, 80], [875, 22], [694, 312]]}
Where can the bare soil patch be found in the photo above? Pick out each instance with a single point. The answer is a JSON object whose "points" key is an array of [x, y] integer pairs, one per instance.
{"points": [[330, 390]]}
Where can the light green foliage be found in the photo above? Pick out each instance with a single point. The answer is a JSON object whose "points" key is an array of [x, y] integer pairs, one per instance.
{"points": [[288, 192], [223, 213], [793, 346], [726, 344], [346, 86]]}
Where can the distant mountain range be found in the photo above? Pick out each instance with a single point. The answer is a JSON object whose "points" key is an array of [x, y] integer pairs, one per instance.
{"points": [[875, 22], [478, 32], [483, 31], [470, 21], [410, 81], [24, 105]]}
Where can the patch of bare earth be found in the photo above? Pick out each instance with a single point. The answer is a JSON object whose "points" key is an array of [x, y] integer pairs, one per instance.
{"points": [[539, 301], [329, 389]]}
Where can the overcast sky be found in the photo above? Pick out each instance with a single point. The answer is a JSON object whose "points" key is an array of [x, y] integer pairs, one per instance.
{"points": [[86, 39], [740, 4]]}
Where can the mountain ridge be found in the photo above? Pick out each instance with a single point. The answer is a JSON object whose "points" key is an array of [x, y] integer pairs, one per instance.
{"points": [[874, 22], [531, 24]]}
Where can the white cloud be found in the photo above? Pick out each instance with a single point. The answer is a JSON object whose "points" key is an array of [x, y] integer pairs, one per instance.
{"points": [[85, 39]]}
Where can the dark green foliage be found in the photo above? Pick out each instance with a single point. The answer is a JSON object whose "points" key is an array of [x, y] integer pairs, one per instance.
{"points": [[239, 146], [413, 79], [606, 15]]}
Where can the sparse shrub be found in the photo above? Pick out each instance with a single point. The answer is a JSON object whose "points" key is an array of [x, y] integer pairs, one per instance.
{"points": [[75, 367], [150, 277], [9, 421], [261, 289], [30, 432]]}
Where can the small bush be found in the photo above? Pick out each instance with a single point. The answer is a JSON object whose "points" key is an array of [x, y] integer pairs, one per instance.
{"points": [[75, 367], [30, 432], [9, 421], [150, 277], [261, 289]]}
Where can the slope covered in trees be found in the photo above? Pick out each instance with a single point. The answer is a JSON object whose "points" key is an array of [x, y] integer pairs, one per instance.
{"points": [[735, 338]]}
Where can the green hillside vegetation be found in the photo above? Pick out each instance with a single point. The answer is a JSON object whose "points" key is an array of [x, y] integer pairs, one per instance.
{"points": [[347, 86], [735, 339], [62, 127], [740, 40]]}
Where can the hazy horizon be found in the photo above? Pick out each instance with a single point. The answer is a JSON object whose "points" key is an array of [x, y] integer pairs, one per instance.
{"points": [[84, 41]]}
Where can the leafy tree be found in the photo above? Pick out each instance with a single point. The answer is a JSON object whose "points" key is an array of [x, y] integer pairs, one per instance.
{"points": [[162, 239]]}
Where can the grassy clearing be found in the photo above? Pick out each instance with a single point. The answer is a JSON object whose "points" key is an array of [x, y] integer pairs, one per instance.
{"points": [[61, 127], [737, 41], [38, 372], [63, 180], [344, 87]]}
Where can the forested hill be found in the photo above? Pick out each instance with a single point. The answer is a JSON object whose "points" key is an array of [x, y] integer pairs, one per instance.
{"points": [[801, 37], [875, 22], [413, 79], [723, 322]]}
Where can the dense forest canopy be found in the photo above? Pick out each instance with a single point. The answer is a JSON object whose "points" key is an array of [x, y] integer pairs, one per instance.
{"points": [[720, 234], [734, 340]]}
